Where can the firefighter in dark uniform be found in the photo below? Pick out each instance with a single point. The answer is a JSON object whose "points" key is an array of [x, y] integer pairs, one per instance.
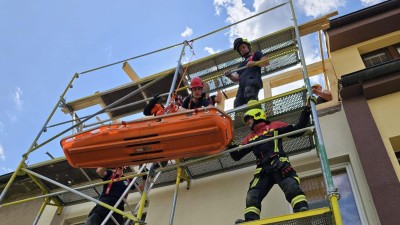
{"points": [[110, 195], [273, 166], [249, 78], [198, 98]]}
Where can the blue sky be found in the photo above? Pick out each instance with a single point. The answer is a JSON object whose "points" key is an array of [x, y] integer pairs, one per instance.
{"points": [[43, 43]]}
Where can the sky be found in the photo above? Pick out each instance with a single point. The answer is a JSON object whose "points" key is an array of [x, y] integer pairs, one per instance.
{"points": [[44, 43]]}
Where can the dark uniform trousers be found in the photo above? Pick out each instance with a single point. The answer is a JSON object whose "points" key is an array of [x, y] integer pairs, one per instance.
{"points": [[262, 183]]}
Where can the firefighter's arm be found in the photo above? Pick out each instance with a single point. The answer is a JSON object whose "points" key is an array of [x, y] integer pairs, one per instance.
{"points": [[263, 62], [304, 120], [150, 106], [232, 76], [239, 154], [218, 97]]}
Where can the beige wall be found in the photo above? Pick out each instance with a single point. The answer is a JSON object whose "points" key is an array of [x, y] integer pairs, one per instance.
{"points": [[341, 58], [20, 214], [386, 111], [347, 60]]}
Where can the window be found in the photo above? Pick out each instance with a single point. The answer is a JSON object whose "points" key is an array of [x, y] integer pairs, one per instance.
{"points": [[376, 58], [314, 188], [382, 55], [395, 142]]}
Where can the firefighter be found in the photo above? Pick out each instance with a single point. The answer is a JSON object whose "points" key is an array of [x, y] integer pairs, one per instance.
{"points": [[273, 165], [249, 78], [198, 98], [110, 195]]}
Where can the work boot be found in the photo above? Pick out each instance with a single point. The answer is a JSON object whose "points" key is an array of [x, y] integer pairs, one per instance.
{"points": [[302, 209], [239, 221]]}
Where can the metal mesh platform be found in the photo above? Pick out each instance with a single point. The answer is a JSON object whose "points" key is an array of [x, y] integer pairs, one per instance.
{"points": [[322, 216], [280, 46], [286, 108]]}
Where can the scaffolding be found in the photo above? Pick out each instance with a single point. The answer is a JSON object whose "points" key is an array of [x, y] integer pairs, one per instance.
{"points": [[284, 50]]}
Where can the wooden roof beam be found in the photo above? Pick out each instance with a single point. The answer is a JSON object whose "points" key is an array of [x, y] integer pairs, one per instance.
{"points": [[134, 77]]}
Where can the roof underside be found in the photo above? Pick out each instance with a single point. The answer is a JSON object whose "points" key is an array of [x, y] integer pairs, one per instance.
{"points": [[363, 25]]}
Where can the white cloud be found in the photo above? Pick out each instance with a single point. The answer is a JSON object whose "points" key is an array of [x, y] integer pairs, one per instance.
{"points": [[108, 51], [2, 155], [311, 50], [211, 50], [259, 26], [317, 8], [17, 97], [273, 21], [187, 33], [371, 2]]}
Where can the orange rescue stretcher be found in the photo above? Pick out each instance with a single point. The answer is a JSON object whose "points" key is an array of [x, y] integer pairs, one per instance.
{"points": [[186, 134]]}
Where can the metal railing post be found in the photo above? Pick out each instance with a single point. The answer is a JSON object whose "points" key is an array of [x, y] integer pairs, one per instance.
{"points": [[326, 172]]}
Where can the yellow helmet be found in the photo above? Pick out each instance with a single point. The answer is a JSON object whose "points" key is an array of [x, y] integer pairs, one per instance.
{"points": [[257, 114]]}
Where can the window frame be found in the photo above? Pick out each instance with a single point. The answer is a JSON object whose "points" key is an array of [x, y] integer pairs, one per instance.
{"points": [[375, 53], [346, 166], [391, 51]]}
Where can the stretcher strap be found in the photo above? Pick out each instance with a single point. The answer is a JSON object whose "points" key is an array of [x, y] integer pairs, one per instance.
{"points": [[118, 171]]}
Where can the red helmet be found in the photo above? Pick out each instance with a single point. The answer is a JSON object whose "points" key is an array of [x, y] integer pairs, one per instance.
{"points": [[196, 82]]}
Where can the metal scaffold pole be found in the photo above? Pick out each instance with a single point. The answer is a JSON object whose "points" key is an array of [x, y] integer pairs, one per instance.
{"points": [[34, 143], [178, 180], [178, 66], [331, 190]]}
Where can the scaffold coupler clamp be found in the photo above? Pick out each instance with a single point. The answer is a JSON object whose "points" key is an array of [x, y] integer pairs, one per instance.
{"points": [[334, 192]]}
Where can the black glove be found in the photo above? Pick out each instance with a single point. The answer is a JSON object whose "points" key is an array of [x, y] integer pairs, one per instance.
{"points": [[232, 144], [152, 103], [309, 99]]}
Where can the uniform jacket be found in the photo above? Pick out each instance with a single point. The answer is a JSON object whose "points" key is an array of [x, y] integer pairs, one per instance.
{"points": [[188, 103], [264, 130]]}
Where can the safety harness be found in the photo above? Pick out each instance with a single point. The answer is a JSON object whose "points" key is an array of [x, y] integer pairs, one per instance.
{"points": [[120, 172]]}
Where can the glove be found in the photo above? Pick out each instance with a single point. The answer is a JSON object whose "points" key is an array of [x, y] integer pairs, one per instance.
{"points": [[309, 99], [156, 97], [232, 144]]}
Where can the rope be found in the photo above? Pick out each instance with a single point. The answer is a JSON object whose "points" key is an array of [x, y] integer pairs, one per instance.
{"points": [[187, 67], [176, 45]]}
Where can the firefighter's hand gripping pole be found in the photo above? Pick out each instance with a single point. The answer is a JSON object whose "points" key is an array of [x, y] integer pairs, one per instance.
{"points": [[257, 63]]}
